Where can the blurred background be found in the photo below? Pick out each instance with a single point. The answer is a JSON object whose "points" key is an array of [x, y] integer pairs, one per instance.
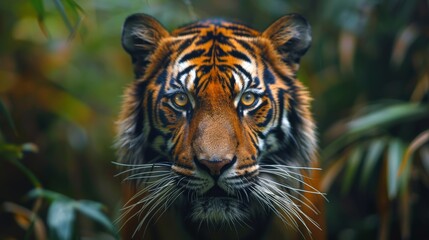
{"points": [[63, 71]]}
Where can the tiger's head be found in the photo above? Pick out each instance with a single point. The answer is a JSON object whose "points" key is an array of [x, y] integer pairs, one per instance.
{"points": [[216, 123]]}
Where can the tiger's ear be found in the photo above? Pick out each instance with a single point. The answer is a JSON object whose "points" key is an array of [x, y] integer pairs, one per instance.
{"points": [[141, 35], [291, 36]]}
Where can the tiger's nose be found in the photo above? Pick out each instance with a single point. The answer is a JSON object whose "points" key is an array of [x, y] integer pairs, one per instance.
{"points": [[215, 165]]}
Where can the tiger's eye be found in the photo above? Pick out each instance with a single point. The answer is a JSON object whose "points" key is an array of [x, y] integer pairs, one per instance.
{"points": [[248, 99], [180, 99]]}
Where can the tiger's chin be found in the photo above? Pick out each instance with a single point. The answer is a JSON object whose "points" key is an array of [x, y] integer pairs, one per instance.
{"points": [[218, 211], [219, 215], [218, 208]]}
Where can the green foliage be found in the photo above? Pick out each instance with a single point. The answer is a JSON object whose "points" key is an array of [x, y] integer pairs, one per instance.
{"points": [[372, 147], [395, 153], [62, 213], [375, 149], [378, 120], [5, 113]]}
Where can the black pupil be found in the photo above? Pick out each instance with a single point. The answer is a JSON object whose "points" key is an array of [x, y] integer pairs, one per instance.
{"points": [[248, 98], [181, 99]]}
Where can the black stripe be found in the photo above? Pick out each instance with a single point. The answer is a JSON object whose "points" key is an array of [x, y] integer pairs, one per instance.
{"points": [[246, 46], [246, 73], [185, 44], [138, 119], [139, 115], [267, 119], [204, 69], [189, 32], [205, 38], [253, 112], [162, 114], [256, 82], [140, 90], [201, 87], [239, 55], [246, 175], [246, 166], [254, 139], [192, 55], [159, 66], [177, 164], [232, 81], [184, 71], [220, 52], [176, 140], [240, 31], [162, 78], [268, 75], [281, 106], [149, 107], [294, 118]]}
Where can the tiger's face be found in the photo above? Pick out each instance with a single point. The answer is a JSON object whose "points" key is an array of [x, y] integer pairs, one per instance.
{"points": [[216, 123]]}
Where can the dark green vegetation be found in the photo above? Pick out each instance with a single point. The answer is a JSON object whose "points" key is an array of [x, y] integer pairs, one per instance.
{"points": [[62, 71]]}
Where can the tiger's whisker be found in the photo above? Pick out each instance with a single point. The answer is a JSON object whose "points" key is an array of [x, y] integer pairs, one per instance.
{"points": [[147, 175], [292, 188], [305, 201], [170, 198], [153, 205], [278, 166], [286, 175], [148, 165], [282, 200]]}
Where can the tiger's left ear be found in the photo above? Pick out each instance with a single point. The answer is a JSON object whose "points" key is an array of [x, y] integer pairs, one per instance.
{"points": [[291, 36]]}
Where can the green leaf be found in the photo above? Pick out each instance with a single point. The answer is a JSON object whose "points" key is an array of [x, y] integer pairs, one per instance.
{"points": [[75, 9], [375, 150], [50, 195], [60, 202], [39, 7], [60, 7], [377, 119], [75, 6], [351, 169], [394, 157], [10, 151], [387, 116], [40, 10], [5, 113], [404, 177], [60, 219], [15, 155], [94, 210]]}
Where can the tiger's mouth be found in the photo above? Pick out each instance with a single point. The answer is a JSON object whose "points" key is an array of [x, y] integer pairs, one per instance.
{"points": [[217, 206], [217, 192]]}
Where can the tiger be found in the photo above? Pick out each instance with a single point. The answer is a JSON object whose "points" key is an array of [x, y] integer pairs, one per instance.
{"points": [[216, 139]]}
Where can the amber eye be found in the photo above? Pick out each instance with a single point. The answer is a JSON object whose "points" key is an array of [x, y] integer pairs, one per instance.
{"points": [[248, 99], [180, 99]]}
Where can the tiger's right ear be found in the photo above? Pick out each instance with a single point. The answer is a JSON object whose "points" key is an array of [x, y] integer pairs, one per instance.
{"points": [[291, 36], [141, 35]]}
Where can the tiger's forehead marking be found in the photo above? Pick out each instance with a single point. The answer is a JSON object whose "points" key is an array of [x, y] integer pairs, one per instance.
{"points": [[214, 51]]}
